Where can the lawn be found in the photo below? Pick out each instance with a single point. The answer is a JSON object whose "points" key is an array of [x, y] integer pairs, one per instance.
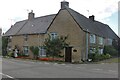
{"points": [[111, 60]]}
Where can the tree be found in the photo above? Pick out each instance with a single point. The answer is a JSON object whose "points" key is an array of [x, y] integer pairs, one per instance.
{"points": [[4, 45], [35, 51], [54, 46]]}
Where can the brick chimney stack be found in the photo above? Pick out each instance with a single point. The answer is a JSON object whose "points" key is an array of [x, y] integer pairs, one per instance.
{"points": [[64, 3], [31, 15], [92, 17]]}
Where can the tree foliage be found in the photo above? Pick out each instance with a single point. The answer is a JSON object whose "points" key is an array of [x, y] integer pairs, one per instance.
{"points": [[54, 46], [110, 50], [35, 51], [4, 45]]}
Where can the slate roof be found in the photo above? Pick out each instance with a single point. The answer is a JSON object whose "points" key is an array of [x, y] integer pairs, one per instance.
{"points": [[93, 27], [35, 26], [40, 25], [15, 28]]}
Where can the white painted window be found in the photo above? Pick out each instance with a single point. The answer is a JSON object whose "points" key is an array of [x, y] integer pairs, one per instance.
{"points": [[92, 38], [26, 50], [53, 35], [92, 50], [109, 41], [101, 41], [100, 51], [42, 52]]}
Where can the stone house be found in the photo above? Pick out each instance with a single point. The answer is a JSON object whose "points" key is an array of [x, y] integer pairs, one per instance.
{"points": [[84, 34]]}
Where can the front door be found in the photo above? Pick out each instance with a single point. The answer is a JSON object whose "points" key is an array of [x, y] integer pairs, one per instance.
{"points": [[68, 54]]}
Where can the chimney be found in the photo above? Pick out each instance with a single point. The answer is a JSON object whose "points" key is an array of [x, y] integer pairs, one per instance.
{"points": [[31, 15], [92, 17], [63, 4]]}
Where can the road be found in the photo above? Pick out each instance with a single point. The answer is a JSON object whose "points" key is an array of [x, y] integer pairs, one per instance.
{"points": [[12, 68]]}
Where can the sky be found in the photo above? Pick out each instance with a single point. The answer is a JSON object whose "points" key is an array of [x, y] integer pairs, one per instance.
{"points": [[105, 11]]}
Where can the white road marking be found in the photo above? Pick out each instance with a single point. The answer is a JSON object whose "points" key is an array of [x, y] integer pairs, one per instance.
{"points": [[7, 75]]}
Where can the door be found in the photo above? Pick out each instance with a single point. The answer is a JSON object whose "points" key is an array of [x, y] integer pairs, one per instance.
{"points": [[68, 54]]}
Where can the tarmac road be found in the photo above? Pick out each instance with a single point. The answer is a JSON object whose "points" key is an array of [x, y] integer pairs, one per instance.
{"points": [[12, 68]]}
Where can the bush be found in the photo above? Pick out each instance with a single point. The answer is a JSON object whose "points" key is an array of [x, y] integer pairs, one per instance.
{"points": [[98, 57], [91, 56], [35, 51], [111, 50], [10, 54], [107, 56]]}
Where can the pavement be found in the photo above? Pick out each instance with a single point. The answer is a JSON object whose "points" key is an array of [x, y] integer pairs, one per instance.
{"points": [[13, 69]]}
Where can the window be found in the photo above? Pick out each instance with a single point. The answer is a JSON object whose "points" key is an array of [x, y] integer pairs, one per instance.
{"points": [[25, 50], [109, 41], [42, 51], [10, 39], [53, 35], [100, 51], [92, 50], [25, 37], [92, 38], [100, 40]]}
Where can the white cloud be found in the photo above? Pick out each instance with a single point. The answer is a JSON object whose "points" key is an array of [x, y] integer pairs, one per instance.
{"points": [[17, 9]]}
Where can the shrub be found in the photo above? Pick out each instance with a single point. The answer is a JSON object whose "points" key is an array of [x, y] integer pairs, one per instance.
{"points": [[107, 56], [53, 47], [91, 56], [98, 57], [110, 50], [10, 54], [35, 51]]}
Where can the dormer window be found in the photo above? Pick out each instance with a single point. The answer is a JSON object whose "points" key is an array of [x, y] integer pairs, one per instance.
{"points": [[92, 38]]}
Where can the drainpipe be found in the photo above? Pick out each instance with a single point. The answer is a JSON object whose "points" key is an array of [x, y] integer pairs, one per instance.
{"points": [[87, 44]]}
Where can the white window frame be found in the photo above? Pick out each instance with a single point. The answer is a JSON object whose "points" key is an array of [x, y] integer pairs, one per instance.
{"points": [[26, 50], [42, 52], [53, 35], [92, 50], [109, 41], [101, 40], [92, 38], [100, 51]]}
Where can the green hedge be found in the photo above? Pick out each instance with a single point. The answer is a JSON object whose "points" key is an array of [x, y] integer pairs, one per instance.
{"points": [[110, 50], [98, 57]]}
